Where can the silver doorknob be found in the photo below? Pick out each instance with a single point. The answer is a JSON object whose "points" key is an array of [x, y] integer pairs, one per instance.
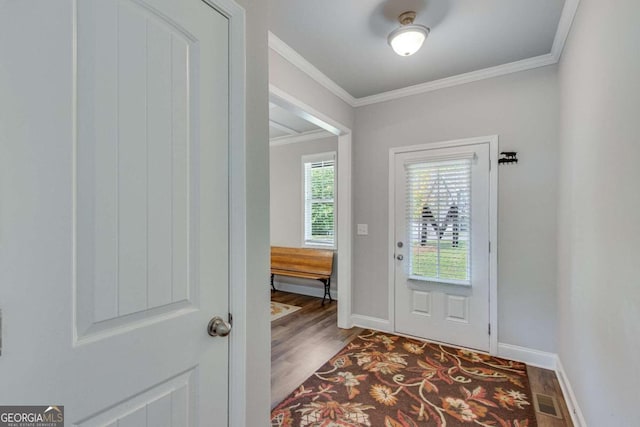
{"points": [[400, 257], [218, 327]]}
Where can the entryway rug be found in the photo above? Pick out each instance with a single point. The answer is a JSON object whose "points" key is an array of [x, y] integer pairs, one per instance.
{"points": [[279, 310], [384, 380]]}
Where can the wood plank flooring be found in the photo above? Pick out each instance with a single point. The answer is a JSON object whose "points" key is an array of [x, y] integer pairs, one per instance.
{"points": [[303, 341], [546, 382]]}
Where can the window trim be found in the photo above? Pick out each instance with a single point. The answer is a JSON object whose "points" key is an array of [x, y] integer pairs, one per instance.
{"points": [[312, 158]]}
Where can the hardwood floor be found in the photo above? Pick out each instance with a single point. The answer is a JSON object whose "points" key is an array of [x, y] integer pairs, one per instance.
{"points": [[303, 341], [546, 382]]}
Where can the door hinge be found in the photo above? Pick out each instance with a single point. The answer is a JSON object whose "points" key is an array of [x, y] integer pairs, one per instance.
{"points": [[489, 246], [489, 164], [489, 328]]}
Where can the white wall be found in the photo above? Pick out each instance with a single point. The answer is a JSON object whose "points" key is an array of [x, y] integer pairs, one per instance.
{"points": [[522, 109], [599, 211], [286, 198], [258, 328]]}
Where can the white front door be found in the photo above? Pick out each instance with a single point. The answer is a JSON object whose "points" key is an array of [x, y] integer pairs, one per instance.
{"points": [[114, 220], [442, 244]]}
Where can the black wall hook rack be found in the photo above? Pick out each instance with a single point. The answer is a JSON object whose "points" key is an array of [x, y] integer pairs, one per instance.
{"points": [[508, 157]]}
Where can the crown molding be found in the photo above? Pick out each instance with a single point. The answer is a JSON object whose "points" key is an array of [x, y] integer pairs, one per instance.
{"points": [[303, 137], [283, 128], [308, 68], [460, 79], [564, 26]]}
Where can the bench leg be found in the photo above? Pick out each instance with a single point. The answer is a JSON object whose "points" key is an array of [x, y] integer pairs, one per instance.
{"points": [[327, 285], [273, 288]]}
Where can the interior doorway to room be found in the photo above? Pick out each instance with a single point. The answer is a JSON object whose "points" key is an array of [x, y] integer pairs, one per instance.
{"points": [[442, 226], [313, 228], [310, 158], [303, 195]]}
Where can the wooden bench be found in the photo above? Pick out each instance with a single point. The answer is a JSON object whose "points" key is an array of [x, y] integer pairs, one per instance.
{"points": [[304, 263]]}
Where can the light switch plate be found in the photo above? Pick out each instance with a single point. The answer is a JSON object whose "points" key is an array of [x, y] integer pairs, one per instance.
{"points": [[363, 229]]}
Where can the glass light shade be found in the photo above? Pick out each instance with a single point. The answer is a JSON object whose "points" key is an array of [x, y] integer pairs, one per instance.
{"points": [[408, 39]]}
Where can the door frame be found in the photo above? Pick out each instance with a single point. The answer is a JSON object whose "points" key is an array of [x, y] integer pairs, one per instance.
{"points": [[237, 386], [493, 225]]}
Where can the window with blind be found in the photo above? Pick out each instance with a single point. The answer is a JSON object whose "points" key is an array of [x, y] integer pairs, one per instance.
{"points": [[438, 216], [319, 199]]}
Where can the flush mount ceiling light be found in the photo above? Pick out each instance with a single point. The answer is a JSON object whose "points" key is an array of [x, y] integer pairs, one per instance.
{"points": [[408, 38]]}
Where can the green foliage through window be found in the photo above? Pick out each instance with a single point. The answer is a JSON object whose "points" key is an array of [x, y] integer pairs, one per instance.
{"points": [[319, 202], [439, 220]]}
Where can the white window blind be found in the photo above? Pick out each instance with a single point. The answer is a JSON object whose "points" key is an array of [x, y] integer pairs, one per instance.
{"points": [[438, 216], [319, 194]]}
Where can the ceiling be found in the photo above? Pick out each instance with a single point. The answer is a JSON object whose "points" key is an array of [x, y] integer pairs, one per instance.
{"points": [[347, 40], [286, 125]]}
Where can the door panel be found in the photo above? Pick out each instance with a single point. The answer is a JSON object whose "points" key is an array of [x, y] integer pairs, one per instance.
{"points": [[136, 165], [115, 249], [441, 244], [164, 405]]}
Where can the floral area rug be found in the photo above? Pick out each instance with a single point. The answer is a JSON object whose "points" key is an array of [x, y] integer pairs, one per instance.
{"points": [[279, 310], [383, 380]]}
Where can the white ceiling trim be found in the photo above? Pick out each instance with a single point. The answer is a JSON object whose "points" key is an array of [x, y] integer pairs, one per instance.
{"points": [[284, 100], [460, 79], [308, 68], [283, 128], [564, 26], [303, 137]]}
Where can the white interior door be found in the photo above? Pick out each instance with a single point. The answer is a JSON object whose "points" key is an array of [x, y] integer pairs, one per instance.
{"points": [[114, 218], [442, 244]]}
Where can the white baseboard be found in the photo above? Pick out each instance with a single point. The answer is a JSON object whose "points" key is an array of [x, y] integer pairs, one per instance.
{"points": [[569, 396], [551, 361], [369, 322], [540, 359], [312, 291]]}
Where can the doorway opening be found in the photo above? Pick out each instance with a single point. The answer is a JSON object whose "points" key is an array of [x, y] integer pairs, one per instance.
{"points": [[310, 163], [343, 205]]}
